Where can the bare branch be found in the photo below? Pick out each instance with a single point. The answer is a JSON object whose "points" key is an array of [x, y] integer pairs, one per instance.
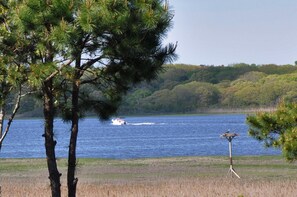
{"points": [[16, 108], [28, 93], [58, 71], [91, 62]]}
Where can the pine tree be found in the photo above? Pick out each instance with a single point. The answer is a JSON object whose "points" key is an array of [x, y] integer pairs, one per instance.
{"points": [[277, 129], [37, 23], [117, 44], [85, 55], [12, 72]]}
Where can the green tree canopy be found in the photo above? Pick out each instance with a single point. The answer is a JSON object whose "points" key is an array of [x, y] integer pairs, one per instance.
{"points": [[13, 73], [85, 55], [182, 98], [277, 129]]}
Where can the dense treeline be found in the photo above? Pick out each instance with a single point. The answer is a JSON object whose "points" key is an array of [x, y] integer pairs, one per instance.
{"points": [[193, 89]]}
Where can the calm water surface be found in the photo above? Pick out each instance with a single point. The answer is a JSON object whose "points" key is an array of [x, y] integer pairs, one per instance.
{"points": [[142, 137]]}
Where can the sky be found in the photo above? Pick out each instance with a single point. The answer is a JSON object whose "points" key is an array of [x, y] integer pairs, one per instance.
{"points": [[224, 32]]}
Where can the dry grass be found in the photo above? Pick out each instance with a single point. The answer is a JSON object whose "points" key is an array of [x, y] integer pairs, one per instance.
{"points": [[175, 187], [195, 176]]}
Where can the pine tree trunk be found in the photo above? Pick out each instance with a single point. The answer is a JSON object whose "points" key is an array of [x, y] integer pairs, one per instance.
{"points": [[71, 180], [50, 143]]}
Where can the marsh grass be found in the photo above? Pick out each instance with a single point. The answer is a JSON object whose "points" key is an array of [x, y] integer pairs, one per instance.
{"points": [[183, 176], [8, 165]]}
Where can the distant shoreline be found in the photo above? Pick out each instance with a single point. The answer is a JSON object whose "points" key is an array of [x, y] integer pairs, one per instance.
{"points": [[212, 111], [198, 112], [238, 110]]}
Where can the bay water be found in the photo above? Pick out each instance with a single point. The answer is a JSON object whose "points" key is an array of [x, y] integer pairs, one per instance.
{"points": [[141, 137]]}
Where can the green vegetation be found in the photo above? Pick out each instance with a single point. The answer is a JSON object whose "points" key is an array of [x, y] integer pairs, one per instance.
{"points": [[78, 57], [194, 89], [263, 167], [277, 129], [19, 165]]}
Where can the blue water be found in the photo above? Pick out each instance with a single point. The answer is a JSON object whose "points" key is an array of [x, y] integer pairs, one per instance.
{"points": [[142, 137]]}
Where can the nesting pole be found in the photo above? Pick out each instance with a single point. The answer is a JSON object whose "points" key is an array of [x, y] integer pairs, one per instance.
{"points": [[229, 137]]}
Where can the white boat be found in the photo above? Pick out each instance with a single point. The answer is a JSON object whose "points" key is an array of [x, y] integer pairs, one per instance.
{"points": [[118, 121]]}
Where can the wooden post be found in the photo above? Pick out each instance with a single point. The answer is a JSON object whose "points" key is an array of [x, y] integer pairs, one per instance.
{"points": [[229, 137], [230, 153]]}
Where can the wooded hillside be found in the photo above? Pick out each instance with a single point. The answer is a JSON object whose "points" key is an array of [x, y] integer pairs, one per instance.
{"points": [[194, 89]]}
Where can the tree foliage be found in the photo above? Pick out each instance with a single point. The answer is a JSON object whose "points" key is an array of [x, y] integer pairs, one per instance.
{"points": [[236, 86], [277, 129], [252, 89], [84, 56], [13, 73]]}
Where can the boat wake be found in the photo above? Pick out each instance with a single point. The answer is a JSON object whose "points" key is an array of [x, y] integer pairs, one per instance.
{"points": [[141, 123]]}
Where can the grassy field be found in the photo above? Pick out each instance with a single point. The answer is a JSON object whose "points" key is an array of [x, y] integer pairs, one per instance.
{"points": [[184, 176]]}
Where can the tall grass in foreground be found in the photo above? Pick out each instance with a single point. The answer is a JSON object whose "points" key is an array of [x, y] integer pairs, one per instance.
{"points": [[262, 176], [215, 187]]}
